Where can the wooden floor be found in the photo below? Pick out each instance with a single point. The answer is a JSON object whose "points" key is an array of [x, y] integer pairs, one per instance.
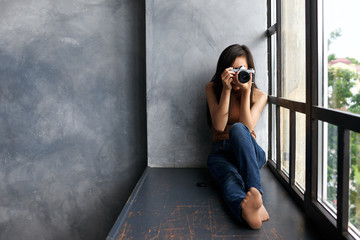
{"points": [[169, 204]]}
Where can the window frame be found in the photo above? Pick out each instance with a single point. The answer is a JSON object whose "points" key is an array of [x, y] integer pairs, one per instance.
{"points": [[330, 227]]}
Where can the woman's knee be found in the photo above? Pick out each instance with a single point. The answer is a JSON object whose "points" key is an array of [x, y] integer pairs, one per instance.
{"points": [[238, 129]]}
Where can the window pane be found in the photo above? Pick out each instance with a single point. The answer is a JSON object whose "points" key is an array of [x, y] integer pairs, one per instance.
{"points": [[273, 65], [284, 140], [354, 184], [329, 179], [300, 150], [293, 49], [273, 135], [341, 56], [273, 12]]}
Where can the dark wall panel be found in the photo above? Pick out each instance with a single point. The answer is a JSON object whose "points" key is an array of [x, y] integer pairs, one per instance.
{"points": [[72, 115]]}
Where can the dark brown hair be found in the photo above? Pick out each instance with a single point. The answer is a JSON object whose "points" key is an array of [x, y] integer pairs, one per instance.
{"points": [[226, 59]]}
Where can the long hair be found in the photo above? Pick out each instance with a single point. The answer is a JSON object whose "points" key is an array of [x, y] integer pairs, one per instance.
{"points": [[226, 59]]}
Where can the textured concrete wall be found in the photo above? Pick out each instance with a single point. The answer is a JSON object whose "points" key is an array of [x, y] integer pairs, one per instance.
{"points": [[72, 115], [184, 40]]}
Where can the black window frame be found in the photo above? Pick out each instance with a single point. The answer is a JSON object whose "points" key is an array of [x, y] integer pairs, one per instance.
{"points": [[331, 228]]}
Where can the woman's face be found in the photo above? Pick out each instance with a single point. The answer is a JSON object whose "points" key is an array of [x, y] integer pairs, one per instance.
{"points": [[239, 61]]}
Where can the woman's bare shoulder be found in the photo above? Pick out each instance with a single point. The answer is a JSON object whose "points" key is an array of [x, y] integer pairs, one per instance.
{"points": [[209, 85], [259, 94], [209, 88]]}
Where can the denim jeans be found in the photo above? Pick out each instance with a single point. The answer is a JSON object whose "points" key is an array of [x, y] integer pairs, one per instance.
{"points": [[235, 165]]}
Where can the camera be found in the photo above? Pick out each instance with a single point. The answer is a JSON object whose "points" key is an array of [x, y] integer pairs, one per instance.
{"points": [[244, 74]]}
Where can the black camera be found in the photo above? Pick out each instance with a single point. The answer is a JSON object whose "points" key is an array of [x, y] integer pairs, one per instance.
{"points": [[244, 74]]}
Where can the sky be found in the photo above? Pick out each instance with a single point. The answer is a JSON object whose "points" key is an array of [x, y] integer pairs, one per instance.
{"points": [[345, 15]]}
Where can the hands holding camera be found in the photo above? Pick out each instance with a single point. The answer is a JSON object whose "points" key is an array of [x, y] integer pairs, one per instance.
{"points": [[237, 78]]}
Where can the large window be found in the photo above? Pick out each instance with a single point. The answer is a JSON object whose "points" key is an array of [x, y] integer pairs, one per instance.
{"points": [[341, 91], [287, 56], [314, 112]]}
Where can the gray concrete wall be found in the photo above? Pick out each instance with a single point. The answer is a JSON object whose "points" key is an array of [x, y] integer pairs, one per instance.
{"points": [[72, 115], [184, 40]]}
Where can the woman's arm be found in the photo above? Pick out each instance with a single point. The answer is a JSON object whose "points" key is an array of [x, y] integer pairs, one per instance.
{"points": [[219, 112], [259, 101], [250, 115]]}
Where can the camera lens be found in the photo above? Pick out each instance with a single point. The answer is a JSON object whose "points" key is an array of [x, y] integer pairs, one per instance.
{"points": [[244, 77]]}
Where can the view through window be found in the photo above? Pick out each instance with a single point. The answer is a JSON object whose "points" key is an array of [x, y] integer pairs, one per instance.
{"points": [[341, 70], [294, 115]]}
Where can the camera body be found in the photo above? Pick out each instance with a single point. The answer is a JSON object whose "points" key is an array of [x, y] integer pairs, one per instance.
{"points": [[244, 74]]}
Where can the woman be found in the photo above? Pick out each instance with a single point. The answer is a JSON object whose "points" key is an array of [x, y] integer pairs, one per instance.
{"points": [[236, 159]]}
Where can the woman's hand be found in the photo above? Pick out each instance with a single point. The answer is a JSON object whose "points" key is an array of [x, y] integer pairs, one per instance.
{"points": [[227, 78]]}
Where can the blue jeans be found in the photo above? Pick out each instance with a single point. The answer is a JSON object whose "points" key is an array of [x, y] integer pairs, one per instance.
{"points": [[235, 166]]}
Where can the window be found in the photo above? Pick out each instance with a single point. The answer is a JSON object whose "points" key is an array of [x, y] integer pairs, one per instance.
{"points": [[314, 112], [272, 48], [284, 140], [300, 151], [341, 63], [341, 91], [328, 165], [287, 113], [354, 182], [293, 49]]}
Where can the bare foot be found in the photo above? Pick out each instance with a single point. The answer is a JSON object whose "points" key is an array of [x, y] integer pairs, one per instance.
{"points": [[253, 211], [264, 216]]}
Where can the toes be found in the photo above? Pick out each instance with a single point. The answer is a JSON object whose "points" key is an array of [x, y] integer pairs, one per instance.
{"points": [[254, 191]]}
